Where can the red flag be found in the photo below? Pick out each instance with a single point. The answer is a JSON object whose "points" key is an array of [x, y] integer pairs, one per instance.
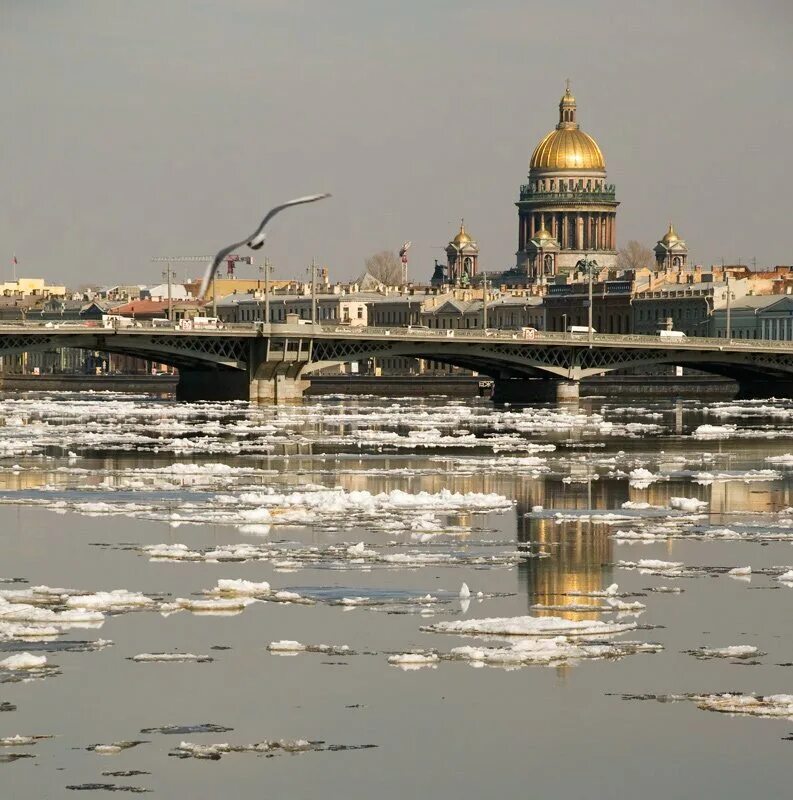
{"points": [[14, 260]]}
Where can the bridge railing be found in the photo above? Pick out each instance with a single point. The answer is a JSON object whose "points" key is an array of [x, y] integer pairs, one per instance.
{"points": [[308, 330], [683, 342]]}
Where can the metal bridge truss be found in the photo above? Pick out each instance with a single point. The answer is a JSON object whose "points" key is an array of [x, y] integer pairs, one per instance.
{"points": [[498, 358]]}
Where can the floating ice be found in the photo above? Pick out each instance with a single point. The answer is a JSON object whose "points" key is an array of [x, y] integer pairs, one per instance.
{"points": [[530, 626], [21, 741], [549, 651], [785, 460], [733, 651], [773, 705], [110, 601], [690, 504], [413, 660], [740, 572], [286, 646], [23, 661], [114, 748], [641, 478], [171, 657], [214, 752], [215, 605], [242, 588]]}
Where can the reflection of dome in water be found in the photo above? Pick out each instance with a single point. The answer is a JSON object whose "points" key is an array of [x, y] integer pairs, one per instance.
{"points": [[579, 553]]}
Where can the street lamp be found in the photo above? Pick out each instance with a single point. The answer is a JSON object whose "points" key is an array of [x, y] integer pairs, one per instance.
{"points": [[167, 274], [267, 269], [588, 264]]}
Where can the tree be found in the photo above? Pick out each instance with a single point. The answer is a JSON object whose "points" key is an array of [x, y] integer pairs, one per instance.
{"points": [[386, 267], [634, 256]]}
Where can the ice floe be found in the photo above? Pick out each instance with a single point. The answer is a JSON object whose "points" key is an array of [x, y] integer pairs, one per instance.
{"points": [[167, 658], [530, 626], [732, 651]]}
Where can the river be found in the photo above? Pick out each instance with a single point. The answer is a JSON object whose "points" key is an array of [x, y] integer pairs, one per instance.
{"points": [[395, 598]]}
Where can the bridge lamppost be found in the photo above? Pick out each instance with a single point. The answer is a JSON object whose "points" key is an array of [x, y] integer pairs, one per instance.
{"points": [[588, 264], [267, 269]]}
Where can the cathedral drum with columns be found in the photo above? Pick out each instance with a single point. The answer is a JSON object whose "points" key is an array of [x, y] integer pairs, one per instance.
{"points": [[566, 210]]}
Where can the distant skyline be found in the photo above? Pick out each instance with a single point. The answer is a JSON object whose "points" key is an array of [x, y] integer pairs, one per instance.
{"points": [[132, 130]]}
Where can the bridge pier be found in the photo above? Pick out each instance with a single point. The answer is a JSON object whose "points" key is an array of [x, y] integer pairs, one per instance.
{"points": [[212, 384], [761, 389], [278, 389], [534, 390]]}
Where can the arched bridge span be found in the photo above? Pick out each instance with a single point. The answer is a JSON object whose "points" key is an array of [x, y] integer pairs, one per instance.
{"points": [[271, 362]]}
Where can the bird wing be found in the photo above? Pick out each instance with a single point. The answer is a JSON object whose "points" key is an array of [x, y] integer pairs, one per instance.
{"points": [[311, 198], [216, 262]]}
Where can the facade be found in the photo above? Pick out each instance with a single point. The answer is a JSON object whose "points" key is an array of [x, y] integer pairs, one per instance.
{"points": [[671, 252], [566, 305], [567, 199], [756, 317], [462, 258], [512, 312], [36, 287], [686, 307], [349, 309]]}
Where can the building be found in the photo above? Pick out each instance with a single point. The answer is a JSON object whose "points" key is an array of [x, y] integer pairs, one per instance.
{"points": [[158, 309], [337, 306], [566, 304], [567, 209], [755, 317], [671, 252], [25, 287], [684, 305], [462, 258]]}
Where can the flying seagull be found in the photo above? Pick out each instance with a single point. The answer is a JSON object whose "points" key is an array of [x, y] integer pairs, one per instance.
{"points": [[255, 240]]}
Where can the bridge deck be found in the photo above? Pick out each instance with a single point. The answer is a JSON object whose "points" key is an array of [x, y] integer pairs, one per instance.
{"points": [[67, 330]]}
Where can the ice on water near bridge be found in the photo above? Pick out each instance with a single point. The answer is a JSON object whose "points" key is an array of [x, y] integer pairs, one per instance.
{"points": [[410, 597]]}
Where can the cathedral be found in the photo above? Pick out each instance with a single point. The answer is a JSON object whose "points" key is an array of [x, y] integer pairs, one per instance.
{"points": [[567, 210]]}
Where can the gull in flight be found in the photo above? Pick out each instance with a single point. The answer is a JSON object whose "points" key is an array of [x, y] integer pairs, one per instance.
{"points": [[255, 240]]}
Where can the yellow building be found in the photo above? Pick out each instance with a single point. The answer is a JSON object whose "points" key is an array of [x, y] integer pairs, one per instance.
{"points": [[24, 287]]}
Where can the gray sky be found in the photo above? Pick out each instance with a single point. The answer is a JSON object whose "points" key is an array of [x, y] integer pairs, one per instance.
{"points": [[132, 129]]}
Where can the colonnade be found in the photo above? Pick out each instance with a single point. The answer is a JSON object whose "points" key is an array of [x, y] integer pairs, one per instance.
{"points": [[780, 328], [574, 230]]}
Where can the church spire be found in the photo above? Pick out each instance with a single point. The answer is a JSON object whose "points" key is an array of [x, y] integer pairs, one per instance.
{"points": [[567, 108]]}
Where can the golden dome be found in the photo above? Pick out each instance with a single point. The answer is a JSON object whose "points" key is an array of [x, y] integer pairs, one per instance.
{"points": [[462, 237], [567, 148], [671, 237], [542, 233]]}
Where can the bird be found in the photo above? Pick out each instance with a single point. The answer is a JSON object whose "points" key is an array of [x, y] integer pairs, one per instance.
{"points": [[256, 239]]}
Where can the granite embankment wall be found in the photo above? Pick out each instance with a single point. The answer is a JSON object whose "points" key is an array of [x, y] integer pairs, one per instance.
{"points": [[660, 386]]}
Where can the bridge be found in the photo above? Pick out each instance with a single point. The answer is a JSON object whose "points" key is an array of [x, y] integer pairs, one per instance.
{"points": [[271, 362]]}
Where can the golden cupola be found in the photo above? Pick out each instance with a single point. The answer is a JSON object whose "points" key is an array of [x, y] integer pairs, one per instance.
{"points": [[671, 237], [567, 147], [462, 239]]}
